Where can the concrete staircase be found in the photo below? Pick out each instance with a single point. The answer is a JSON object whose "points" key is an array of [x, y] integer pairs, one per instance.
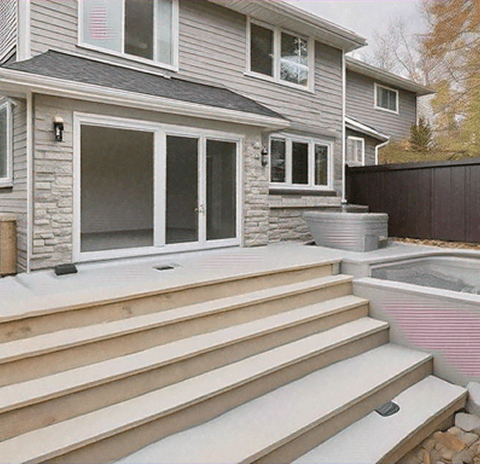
{"points": [[276, 366]]}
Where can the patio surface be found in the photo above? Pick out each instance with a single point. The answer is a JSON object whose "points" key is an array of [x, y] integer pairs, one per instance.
{"points": [[43, 290]]}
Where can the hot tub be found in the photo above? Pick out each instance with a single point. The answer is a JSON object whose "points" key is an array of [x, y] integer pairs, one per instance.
{"points": [[456, 273]]}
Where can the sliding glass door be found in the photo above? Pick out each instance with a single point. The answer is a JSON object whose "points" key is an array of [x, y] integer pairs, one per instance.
{"points": [[141, 189]]}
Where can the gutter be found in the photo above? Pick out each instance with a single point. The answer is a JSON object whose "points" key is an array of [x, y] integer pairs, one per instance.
{"points": [[26, 82]]}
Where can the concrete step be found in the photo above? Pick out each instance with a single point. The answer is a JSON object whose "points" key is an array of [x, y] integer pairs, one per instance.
{"points": [[283, 424], [424, 407], [33, 404], [120, 429], [34, 357], [15, 326]]}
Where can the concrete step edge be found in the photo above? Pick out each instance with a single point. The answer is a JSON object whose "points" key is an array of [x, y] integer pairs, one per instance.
{"points": [[34, 391], [373, 438], [244, 426], [141, 408], [124, 299], [70, 338]]}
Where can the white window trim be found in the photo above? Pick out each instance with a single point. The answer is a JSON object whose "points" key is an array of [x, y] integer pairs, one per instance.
{"points": [[357, 139], [376, 86], [289, 139], [138, 59], [277, 32], [7, 181]]}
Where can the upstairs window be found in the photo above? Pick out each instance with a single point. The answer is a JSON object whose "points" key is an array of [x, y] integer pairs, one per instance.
{"points": [[301, 163], [6, 137], [355, 151], [280, 56], [294, 60], [261, 50], [386, 98], [140, 28]]}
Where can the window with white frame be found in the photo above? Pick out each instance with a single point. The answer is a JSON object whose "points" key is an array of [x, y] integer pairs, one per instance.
{"points": [[299, 162], [279, 55], [355, 155], [6, 137], [143, 29], [386, 98]]}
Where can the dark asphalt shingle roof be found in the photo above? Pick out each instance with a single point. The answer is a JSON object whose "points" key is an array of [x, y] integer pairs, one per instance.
{"points": [[78, 69]]}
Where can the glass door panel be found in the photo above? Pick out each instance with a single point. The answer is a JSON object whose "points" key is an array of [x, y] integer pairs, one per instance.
{"points": [[117, 193], [182, 190], [221, 191]]}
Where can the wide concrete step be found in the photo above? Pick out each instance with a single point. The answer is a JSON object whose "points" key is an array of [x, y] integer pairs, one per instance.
{"points": [[33, 404], [376, 439], [120, 429], [34, 357], [283, 424], [14, 326]]}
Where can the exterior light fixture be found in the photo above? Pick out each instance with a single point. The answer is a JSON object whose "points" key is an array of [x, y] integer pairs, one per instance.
{"points": [[58, 129], [264, 156]]}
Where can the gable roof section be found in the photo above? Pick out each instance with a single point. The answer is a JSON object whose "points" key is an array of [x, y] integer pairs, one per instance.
{"points": [[288, 16], [385, 77], [364, 129], [64, 70]]}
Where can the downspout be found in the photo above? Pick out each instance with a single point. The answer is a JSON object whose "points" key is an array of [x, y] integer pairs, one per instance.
{"points": [[29, 178], [377, 147], [344, 108]]}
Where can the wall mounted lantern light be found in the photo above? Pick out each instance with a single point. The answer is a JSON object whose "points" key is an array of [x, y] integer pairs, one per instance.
{"points": [[264, 155], [58, 128]]}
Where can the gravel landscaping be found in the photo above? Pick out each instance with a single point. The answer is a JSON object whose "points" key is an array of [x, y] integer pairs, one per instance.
{"points": [[438, 243], [458, 445]]}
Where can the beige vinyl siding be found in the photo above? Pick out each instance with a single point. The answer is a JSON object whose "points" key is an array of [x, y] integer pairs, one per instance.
{"points": [[8, 28], [14, 200], [361, 101], [53, 25]]}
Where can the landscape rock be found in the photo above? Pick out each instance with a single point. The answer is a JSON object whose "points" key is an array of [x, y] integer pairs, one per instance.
{"points": [[464, 457], [428, 444], [450, 441], [426, 458], [467, 422], [473, 401], [446, 454], [468, 438], [455, 430]]}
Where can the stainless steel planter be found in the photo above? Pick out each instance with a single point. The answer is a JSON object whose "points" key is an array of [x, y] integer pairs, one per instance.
{"points": [[348, 231]]}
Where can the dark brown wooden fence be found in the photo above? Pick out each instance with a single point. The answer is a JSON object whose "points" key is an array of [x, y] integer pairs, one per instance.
{"points": [[437, 200]]}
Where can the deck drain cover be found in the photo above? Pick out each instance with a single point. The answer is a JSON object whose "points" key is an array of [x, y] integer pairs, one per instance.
{"points": [[388, 409]]}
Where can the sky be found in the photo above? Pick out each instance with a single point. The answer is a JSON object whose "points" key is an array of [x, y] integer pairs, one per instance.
{"points": [[364, 17]]}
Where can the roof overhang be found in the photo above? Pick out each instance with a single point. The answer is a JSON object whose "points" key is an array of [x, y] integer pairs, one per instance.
{"points": [[18, 82], [386, 77], [283, 14], [364, 129]]}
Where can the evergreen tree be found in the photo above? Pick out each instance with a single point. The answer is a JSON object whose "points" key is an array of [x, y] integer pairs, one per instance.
{"points": [[420, 136]]}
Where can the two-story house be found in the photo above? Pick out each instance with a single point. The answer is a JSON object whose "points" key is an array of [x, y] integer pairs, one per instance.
{"points": [[380, 107], [136, 127]]}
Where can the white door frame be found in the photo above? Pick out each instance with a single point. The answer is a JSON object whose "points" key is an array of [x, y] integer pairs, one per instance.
{"points": [[160, 131]]}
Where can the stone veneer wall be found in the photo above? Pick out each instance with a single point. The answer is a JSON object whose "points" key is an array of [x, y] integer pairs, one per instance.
{"points": [[53, 176], [53, 187], [255, 202], [286, 221]]}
